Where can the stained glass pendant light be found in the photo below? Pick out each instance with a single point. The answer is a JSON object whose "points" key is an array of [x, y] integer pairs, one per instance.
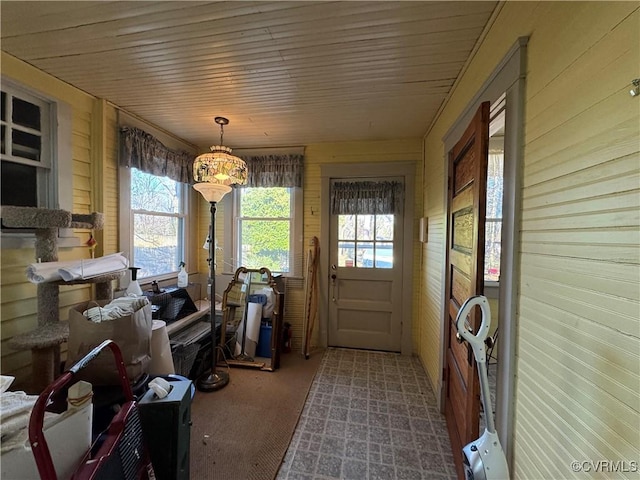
{"points": [[216, 171]]}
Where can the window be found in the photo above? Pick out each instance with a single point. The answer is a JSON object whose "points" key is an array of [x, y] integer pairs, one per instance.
{"points": [[266, 228], [36, 168], [156, 200], [493, 227], [27, 176], [158, 210], [495, 189], [365, 241], [364, 211]]}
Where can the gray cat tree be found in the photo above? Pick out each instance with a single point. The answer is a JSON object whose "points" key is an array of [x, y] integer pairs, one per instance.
{"points": [[44, 342]]}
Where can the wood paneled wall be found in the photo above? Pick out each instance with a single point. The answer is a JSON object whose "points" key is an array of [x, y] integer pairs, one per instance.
{"points": [[578, 329], [18, 300], [314, 156], [95, 188], [351, 152]]}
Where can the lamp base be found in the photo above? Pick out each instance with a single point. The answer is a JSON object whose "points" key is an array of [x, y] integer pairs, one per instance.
{"points": [[211, 381]]}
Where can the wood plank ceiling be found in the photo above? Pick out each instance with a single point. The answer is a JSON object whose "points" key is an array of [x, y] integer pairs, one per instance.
{"points": [[284, 73]]}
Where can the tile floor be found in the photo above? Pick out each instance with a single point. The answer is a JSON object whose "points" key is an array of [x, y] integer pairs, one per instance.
{"points": [[369, 415]]}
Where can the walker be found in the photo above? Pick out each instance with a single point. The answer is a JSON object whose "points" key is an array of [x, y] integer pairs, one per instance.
{"points": [[121, 454], [484, 458]]}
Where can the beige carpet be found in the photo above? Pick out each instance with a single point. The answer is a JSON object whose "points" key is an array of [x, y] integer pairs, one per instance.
{"points": [[242, 431]]}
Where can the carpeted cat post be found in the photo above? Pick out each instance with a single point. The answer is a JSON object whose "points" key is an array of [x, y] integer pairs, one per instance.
{"points": [[44, 342]]}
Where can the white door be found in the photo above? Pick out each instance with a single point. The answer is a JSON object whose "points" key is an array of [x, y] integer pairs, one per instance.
{"points": [[365, 281]]}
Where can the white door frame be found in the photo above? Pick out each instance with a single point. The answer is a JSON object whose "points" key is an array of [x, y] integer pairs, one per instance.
{"points": [[363, 170], [508, 77]]}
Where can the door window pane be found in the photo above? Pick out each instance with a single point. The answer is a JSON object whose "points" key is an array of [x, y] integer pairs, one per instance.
{"points": [[365, 256], [346, 254], [365, 227], [347, 227], [373, 245], [384, 227], [384, 255]]}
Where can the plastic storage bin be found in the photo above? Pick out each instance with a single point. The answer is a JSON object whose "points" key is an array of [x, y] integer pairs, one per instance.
{"points": [[264, 342]]}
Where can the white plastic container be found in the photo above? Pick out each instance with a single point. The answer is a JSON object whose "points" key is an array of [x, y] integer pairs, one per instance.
{"points": [[183, 276]]}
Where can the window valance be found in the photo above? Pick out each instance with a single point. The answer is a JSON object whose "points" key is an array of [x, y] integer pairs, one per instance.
{"points": [[141, 150], [274, 170], [366, 198]]}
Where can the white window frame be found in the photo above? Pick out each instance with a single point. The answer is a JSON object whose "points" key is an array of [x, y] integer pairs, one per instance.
{"points": [[56, 185], [127, 230], [232, 238]]}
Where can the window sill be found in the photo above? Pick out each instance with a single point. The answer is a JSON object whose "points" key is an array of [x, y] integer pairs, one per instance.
{"points": [[492, 289]]}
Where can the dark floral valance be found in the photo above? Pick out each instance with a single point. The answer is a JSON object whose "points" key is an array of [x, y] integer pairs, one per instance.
{"points": [[141, 150], [274, 170], [366, 198]]}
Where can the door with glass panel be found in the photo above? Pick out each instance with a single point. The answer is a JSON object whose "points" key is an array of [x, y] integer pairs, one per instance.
{"points": [[365, 270], [466, 210]]}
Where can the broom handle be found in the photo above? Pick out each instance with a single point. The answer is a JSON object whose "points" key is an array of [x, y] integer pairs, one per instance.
{"points": [[313, 294], [305, 319]]}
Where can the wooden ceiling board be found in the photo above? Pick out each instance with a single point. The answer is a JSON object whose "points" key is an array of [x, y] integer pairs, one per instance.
{"points": [[116, 63], [284, 73], [54, 15], [382, 69], [56, 44], [115, 70]]}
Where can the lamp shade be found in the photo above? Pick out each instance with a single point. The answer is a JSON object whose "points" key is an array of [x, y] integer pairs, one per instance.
{"points": [[212, 192], [220, 166], [215, 172]]}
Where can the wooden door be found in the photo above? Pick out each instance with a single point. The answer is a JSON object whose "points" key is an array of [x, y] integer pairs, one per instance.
{"points": [[465, 276]]}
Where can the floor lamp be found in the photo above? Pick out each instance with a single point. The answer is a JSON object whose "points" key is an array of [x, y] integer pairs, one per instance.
{"points": [[214, 173]]}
